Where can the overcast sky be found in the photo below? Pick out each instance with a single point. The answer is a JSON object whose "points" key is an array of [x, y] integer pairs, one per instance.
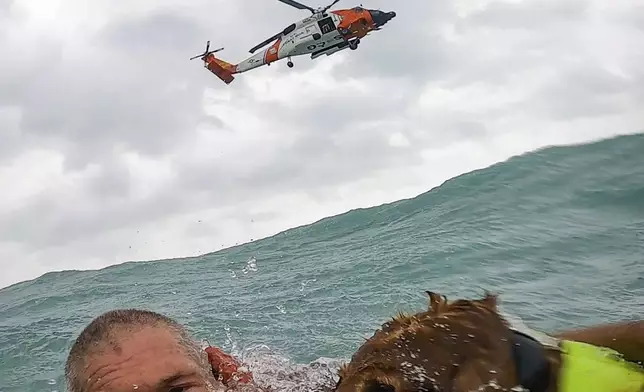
{"points": [[114, 147]]}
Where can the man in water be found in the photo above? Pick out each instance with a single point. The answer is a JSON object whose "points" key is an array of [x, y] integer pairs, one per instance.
{"points": [[137, 350], [126, 350]]}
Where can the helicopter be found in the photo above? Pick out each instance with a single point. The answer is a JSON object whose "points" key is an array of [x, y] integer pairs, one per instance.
{"points": [[323, 33]]}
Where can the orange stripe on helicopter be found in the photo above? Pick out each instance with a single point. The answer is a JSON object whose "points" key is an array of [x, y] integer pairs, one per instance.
{"points": [[222, 69], [223, 64], [272, 53], [358, 23]]}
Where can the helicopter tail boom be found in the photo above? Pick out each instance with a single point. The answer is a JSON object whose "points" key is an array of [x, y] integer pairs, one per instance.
{"points": [[222, 69]]}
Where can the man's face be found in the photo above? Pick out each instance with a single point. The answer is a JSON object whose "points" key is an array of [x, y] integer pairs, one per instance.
{"points": [[147, 360]]}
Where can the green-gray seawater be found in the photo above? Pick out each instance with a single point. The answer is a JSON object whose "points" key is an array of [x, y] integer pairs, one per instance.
{"points": [[558, 233]]}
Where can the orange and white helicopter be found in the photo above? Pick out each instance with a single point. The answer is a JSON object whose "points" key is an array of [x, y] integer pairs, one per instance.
{"points": [[321, 33]]}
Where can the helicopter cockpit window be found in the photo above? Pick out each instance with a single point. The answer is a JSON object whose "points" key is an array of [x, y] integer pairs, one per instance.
{"points": [[289, 29], [326, 25], [358, 9]]}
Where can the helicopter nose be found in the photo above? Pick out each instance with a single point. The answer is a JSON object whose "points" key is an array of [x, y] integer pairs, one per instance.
{"points": [[380, 18]]}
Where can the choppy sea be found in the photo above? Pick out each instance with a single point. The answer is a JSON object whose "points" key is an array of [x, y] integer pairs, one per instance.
{"points": [[558, 233]]}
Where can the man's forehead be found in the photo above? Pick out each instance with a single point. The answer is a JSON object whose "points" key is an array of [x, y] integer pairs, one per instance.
{"points": [[142, 357], [132, 341], [143, 332]]}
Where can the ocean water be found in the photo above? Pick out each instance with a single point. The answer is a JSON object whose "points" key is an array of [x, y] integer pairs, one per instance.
{"points": [[558, 233]]}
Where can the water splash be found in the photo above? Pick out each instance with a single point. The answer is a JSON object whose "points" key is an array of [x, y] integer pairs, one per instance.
{"points": [[306, 283], [277, 373], [251, 265]]}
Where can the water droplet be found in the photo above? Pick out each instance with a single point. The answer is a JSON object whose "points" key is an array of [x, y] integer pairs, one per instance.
{"points": [[134, 386], [51, 382]]}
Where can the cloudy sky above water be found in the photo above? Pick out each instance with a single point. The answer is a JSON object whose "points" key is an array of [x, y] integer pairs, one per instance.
{"points": [[114, 147]]}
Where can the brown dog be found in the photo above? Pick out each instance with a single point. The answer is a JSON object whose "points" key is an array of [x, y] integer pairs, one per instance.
{"points": [[466, 345]]}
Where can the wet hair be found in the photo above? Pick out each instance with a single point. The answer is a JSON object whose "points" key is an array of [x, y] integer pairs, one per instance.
{"points": [[103, 332]]}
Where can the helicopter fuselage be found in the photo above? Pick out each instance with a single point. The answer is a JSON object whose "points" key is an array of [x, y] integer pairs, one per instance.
{"points": [[318, 34], [324, 32], [307, 36]]}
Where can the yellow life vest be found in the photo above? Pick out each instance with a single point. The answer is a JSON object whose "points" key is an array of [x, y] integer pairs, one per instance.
{"points": [[588, 368]]}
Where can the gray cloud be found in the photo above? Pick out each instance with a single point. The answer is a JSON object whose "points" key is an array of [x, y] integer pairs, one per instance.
{"points": [[10, 126], [5, 7], [146, 151], [127, 85], [531, 15], [636, 19], [411, 50], [585, 92]]}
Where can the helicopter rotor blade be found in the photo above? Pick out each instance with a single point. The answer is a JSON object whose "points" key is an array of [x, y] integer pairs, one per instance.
{"points": [[331, 5], [266, 42], [297, 5], [203, 54]]}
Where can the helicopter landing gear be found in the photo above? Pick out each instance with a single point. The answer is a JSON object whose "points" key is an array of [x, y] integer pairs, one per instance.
{"points": [[290, 63], [353, 45]]}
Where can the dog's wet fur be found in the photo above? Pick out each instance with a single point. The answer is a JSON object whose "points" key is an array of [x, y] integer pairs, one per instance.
{"points": [[452, 346]]}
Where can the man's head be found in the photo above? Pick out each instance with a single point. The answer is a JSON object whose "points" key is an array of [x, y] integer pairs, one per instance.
{"points": [[126, 350]]}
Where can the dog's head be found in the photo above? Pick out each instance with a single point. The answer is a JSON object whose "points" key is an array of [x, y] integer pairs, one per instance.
{"points": [[453, 346]]}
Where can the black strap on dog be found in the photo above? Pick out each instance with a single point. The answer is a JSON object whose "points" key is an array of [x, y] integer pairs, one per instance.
{"points": [[532, 366]]}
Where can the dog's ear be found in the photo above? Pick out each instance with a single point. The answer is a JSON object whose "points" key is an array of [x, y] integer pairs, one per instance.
{"points": [[436, 301], [490, 300]]}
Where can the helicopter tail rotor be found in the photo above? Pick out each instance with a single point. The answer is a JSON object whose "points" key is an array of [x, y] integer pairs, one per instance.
{"points": [[206, 52]]}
